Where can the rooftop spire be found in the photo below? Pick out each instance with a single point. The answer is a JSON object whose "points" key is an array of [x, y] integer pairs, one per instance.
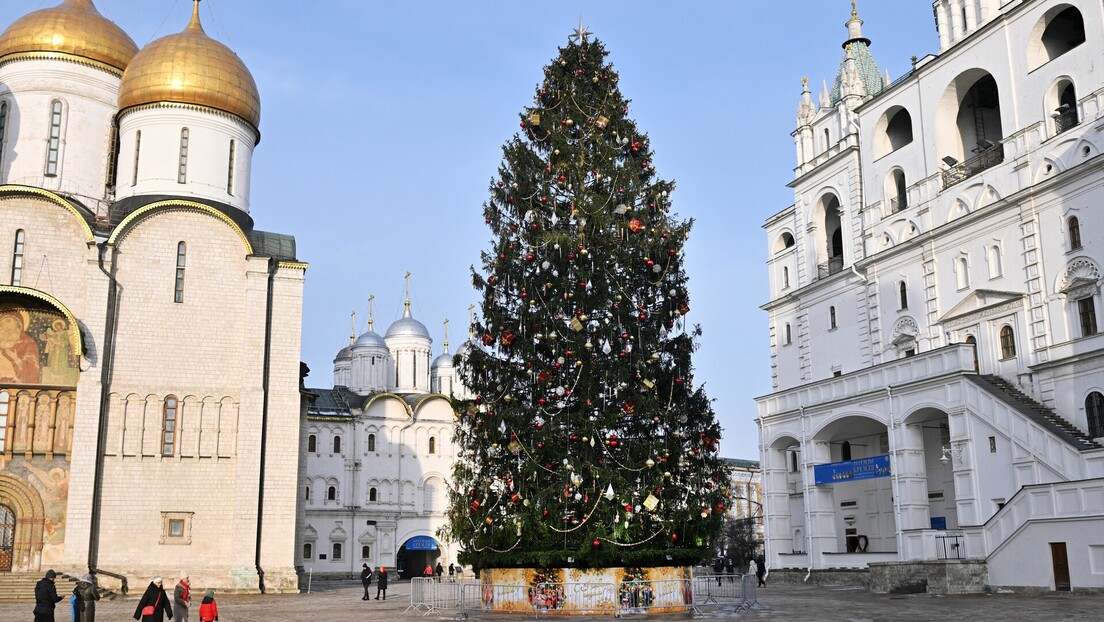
{"points": [[371, 315], [352, 328], [446, 335], [406, 303], [471, 321], [854, 27], [194, 25]]}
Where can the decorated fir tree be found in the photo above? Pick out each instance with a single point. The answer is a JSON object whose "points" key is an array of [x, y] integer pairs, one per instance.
{"points": [[587, 443]]}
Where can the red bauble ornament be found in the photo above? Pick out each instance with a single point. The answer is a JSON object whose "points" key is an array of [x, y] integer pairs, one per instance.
{"points": [[674, 536], [597, 543]]}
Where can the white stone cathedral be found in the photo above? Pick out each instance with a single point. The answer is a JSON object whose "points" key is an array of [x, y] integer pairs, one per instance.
{"points": [[149, 333], [377, 455], [937, 410]]}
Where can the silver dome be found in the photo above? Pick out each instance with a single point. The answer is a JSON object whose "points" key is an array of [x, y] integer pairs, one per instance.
{"points": [[445, 360], [408, 327], [344, 355], [370, 339]]}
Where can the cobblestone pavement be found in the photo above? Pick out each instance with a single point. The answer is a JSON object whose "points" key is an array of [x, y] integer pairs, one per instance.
{"points": [[341, 601]]}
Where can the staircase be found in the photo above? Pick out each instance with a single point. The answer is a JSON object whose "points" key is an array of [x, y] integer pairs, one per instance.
{"points": [[18, 587], [1045, 417]]}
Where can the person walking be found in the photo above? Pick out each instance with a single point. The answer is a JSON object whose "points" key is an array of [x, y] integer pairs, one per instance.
{"points": [[366, 580], [718, 568], [208, 609], [154, 604], [452, 572], [753, 568], [428, 572], [730, 569], [182, 598], [760, 573], [46, 597], [439, 570], [381, 583], [87, 595]]}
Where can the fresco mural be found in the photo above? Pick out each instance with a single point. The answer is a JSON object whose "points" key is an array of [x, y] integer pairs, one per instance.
{"points": [[35, 347]]}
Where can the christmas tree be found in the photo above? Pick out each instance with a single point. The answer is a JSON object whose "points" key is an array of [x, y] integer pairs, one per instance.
{"points": [[586, 443]]}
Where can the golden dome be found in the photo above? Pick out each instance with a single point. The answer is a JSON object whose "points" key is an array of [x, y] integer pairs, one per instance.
{"points": [[191, 68], [73, 28]]}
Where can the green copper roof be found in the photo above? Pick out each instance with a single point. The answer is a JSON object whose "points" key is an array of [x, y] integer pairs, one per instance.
{"points": [[868, 71]]}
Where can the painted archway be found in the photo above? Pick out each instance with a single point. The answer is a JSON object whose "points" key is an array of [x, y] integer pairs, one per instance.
{"points": [[28, 518]]}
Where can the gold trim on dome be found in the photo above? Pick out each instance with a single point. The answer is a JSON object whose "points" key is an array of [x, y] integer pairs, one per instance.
{"points": [[430, 396], [293, 265], [406, 405], [120, 231], [63, 56], [191, 68], [17, 190], [73, 27], [75, 338], [198, 107]]}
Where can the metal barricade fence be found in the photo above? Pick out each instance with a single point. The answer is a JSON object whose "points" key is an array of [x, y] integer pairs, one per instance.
{"points": [[716, 588], [659, 596], [418, 596], [750, 600]]}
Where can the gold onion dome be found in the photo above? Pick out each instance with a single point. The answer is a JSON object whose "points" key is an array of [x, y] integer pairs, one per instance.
{"points": [[191, 68], [73, 29]]}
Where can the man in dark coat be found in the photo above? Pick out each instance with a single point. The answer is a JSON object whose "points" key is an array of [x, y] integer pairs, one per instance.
{"points": [[366, 580], [439, 570], [718, 568], [46, 597], [86, 598], [157, 600], [381, 584]]}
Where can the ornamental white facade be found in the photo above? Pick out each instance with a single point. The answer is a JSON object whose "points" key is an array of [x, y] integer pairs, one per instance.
{"points": [[149, 333], [377, 456], [935, 291]]}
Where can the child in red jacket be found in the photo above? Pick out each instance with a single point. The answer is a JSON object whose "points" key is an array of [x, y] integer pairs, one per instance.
{"points": [[208, 610]]}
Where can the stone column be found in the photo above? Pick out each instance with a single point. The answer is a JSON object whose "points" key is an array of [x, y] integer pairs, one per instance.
{"points": [[942, 26], [776, 505], [821, 506], [956, 20], [907, 451]]}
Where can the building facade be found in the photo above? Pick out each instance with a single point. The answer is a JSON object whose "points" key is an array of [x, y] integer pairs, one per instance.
{"points": [[745, 502], [377, 455], [938, 366], [149, 333]]}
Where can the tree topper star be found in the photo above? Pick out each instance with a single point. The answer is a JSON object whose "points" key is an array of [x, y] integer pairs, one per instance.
{"points": [[581, 33]]}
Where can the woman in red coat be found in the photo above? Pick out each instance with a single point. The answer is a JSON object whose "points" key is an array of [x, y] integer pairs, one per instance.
{"points": [[154, 604]]}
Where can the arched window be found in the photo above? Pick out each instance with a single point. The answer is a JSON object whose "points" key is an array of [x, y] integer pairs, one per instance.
{"points": [[899, 129], [337, 445], [308, 550], [307, 496], [962, 266], [429, 498], [433, 444], [897, 191], [973, 342], [168, 425], [181, 260], [137, 151], [845, 450], [969, 127], [17, 257], [793, 462], [3, 127], [787, 240], [827, 139], [786, 335], [1094, 412], [336, 550], [996, 263], [371, 442], [1065, 115], [53, 146], [182, 171], [1059, 31], [230, 170], [312, 443], [1074, 227], [1086, 313], [365, 552], [373, 494], [902, 296], [785, 277], [331, 493], [5, 401], [831, 317], [1007, 342]]}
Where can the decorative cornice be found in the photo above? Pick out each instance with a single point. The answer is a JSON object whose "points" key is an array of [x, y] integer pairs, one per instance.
{"points": [[980, 314], [75, 339], [62, 56], [293, 265], [176, 204], [17, 190]]}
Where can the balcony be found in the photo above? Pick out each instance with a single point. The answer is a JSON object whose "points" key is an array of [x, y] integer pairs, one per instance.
{"points": [[833, 266], [898, 202], [960, 171], [1065, 118]]}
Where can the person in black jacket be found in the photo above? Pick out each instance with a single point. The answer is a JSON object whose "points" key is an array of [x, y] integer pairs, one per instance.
{"points": [[158, 602], [381, 584], [46, 597], [366, 580]]}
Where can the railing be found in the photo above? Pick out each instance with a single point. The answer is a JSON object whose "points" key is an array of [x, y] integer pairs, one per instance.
{"points": [[833, 266], [988, 158], [950, 546], [898, 202], [1065, 120], [122, 579]]}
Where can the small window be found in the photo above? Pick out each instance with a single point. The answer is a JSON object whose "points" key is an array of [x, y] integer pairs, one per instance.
{"points": [[786, 335], [432, 444], [53, 146], [371, 442], [230, 171], [1074, 227], [312, 443], [307, 496], [963, 271], [168, 426], [17, 257], [827, 139], [1086, 312], [181, 258], [337, 445], [176, 528], [373, 495], [182, 172], [831, 317], [899, 129], [845, 450], [137, 151], [902, 296], [1007, 342], [308, 550], [3, 127], [5, 401], [996, 263], [793, 462], [785, 277], [365, 552], [331, 493], [336, 551], [1094, 412]]}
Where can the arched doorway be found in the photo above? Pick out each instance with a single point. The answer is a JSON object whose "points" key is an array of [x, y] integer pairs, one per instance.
{"points": [[415, 554], [7, 537]]}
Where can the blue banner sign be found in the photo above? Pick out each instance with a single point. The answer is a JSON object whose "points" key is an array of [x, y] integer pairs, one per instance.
{"points": [[852, 470], [421, 543]]}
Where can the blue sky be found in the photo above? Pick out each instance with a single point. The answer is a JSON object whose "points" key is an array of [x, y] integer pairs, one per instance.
{"points": [[382, 124]]}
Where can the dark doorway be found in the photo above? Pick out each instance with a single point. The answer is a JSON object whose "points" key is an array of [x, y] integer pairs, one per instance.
{"points": [[7, 537], [1061, 566], [973, 342], [414, 555]]}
